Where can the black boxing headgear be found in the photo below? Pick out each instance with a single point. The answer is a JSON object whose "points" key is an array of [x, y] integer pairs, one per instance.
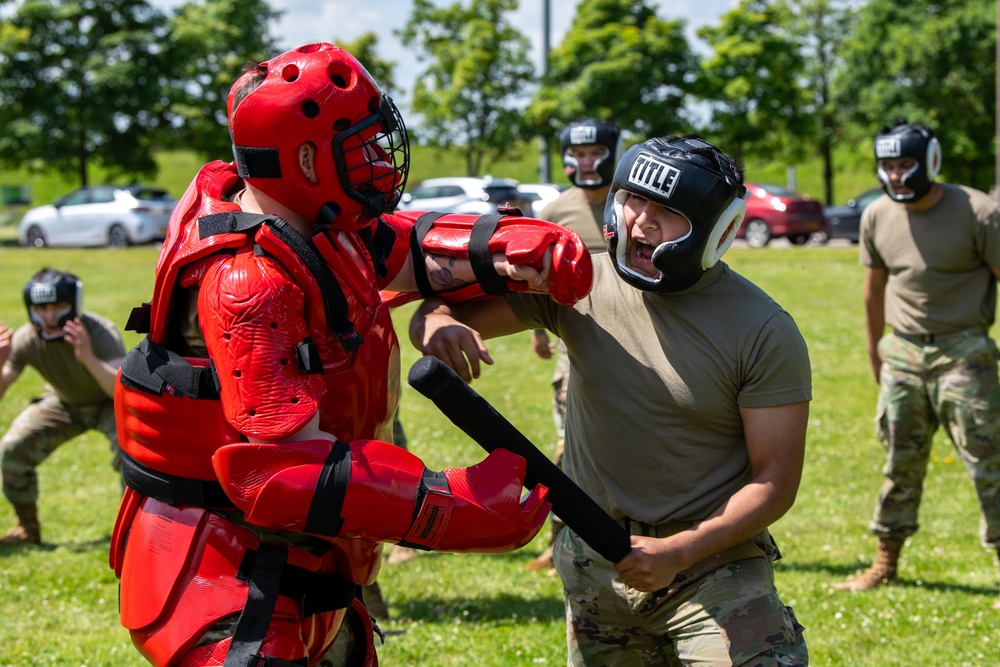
{"points": [[688, 176], [591, 133], [52, 286], [912, 141]]}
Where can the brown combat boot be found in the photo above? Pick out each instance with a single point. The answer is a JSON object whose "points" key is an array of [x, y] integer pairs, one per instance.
{"points": [[544, 559], [882, 571], [27, 530]]}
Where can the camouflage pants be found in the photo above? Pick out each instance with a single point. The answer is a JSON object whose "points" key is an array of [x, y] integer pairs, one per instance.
{"points": [[952, 384], [728, 616], [38, 431]]}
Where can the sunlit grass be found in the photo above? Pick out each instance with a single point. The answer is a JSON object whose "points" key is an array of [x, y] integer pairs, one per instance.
{"points": [[59, 602]]}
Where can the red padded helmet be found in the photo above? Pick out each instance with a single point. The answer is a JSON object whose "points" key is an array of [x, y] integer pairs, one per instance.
{"points": [[320, 93]]}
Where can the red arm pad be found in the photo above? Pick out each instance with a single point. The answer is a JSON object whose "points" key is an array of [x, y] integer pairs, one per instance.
{"points": [[377, 491], [522, 241]]}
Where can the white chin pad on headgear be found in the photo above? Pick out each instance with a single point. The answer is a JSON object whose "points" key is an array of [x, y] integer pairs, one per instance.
{"points": [[40, 324], [724, 232]]}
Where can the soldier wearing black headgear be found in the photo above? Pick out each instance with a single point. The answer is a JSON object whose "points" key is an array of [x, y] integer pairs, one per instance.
{"points": [[932, 254], [686, 418], [78, 354]]}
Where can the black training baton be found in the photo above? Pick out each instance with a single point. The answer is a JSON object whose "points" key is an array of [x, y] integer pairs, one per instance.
{"points": [[473, 414]]}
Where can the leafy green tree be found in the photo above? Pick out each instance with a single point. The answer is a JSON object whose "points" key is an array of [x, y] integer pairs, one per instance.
{"points": [[752, 80], [209, 44], [479, 66], [618, 62], [82, 81], [363, 48], [820, 27], [930, 61]]}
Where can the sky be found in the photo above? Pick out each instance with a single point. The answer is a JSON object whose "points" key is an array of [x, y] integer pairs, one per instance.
{"points": [[307, 21]]}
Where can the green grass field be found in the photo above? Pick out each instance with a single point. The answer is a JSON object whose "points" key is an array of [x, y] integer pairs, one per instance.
{"points": [[58, 602]]}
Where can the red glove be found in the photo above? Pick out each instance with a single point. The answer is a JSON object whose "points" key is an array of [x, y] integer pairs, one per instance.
{"points": [[522, 241], [373, 490]]}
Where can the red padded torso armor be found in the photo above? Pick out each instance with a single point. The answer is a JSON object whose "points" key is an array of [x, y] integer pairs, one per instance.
{"points": [[261, 305]]}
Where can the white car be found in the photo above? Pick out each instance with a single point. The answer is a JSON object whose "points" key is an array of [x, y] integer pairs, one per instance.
{"points": [[540, 195], [112, 215], [464, 195]]}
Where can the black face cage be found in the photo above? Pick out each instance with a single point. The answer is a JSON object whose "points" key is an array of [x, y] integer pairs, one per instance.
{"points": [[391, 142]]}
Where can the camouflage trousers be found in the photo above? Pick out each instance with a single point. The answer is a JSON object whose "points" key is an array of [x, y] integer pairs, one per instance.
{"points": [[730, 615], [38, 431], [951, 384]]}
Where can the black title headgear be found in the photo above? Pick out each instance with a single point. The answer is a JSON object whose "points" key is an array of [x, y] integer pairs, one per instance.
{"points": [[586, 133], [912, 141], [52, 286], [693, 178]]}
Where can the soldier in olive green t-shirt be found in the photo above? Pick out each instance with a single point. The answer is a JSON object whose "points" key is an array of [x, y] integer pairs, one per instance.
{"points": [[932, 254], [686, 420], [78, 355]]}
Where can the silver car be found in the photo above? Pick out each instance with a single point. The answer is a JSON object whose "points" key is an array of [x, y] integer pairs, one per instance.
{"points": [[111, 215], [465, 195]]}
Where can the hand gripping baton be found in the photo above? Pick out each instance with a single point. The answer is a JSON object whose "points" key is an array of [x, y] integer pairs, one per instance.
{"points": [[473, 414]]}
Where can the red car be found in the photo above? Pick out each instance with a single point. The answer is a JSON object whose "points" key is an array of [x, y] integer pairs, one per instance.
{"points": [[774, 211]]}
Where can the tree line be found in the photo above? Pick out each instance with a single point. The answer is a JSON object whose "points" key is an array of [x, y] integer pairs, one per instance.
{"points": [[109, 82]]}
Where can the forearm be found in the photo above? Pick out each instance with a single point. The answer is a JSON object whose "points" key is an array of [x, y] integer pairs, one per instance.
{"points": [[748, 512], [103, 372], [443, 273]]}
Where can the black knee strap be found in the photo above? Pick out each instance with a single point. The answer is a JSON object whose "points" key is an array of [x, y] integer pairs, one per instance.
{"points": [[262, 595]]}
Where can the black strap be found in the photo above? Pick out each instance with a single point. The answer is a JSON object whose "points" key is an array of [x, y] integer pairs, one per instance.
{"points": [[481, 257], [257, 162], [172, 489], [315, 592], [154, 369], [262, 595], [229, 222], [431, 480], [258, 661], [334, 301], [422, 225], [380, 245], [324, 512], [140, 318]]}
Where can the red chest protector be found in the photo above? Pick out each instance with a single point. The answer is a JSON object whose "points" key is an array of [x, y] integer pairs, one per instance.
{"points": [[283, 320]]}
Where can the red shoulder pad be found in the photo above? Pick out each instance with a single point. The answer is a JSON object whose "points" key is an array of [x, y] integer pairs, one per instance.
{"points": [[251, 314]]}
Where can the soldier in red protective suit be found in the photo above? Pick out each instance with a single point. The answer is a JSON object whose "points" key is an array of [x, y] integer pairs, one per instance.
{"points": [[253, 417]]}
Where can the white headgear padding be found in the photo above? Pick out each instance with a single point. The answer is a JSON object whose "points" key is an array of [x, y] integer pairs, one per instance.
{"points": [[724, 232]]}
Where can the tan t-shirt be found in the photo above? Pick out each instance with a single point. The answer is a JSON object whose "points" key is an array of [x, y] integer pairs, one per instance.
{"points": [[56, 363], [939, 261], [653, 429], [572, 210]]}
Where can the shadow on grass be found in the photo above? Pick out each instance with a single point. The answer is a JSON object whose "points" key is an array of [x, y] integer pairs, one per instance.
{"points": [[840, 572], [515, 609], [95, 544]]}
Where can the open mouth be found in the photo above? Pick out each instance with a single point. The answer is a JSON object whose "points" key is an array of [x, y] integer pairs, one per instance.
{"points": [[641, 258]]}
